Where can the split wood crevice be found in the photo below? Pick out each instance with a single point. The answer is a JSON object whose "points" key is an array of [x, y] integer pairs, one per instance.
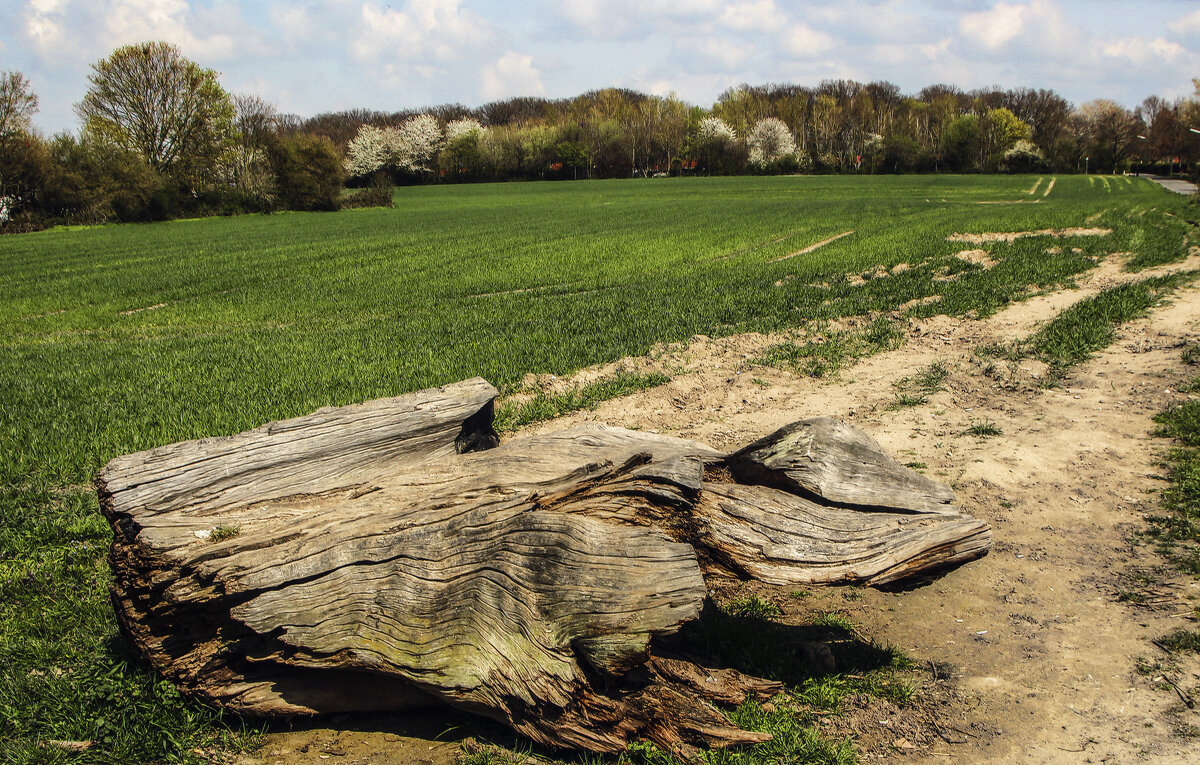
{"points": [[393, 554]]}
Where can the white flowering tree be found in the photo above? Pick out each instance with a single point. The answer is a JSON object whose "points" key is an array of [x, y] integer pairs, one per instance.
{"points": [[419, 139], [465, 127], [371, 150], [411, 147], [770, 141], [715, 130], [715, 143]]}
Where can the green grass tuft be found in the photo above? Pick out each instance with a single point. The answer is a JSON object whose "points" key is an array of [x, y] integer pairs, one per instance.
{"points": [[1191, 353], [983, 429], [1079, 332], [1181, 422], [828, 351], [915, 390], [1182, 640], [752, 607], [1176, 530]]}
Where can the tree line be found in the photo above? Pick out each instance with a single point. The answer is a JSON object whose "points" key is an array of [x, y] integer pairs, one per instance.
{"points": [[161, 138]]}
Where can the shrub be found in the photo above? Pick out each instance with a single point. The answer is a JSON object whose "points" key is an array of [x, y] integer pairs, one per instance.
{"points": [[1024, 157], [378, 194], [92, 182], [308, 170]]}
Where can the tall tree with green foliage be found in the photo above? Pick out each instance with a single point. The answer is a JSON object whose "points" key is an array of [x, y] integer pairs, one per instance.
{"points": [[999, 131], [148, 98]]}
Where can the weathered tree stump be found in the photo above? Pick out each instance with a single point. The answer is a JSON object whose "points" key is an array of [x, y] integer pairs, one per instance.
{"points": [[391, 554]]}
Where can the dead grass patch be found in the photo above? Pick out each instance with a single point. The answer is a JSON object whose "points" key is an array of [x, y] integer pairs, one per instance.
{"points": [[927, 300], [978, 257], [858, 280]]}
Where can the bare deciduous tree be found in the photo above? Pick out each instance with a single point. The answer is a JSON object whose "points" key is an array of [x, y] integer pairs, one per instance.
{"points": [[17, 103], [1109, 128]]}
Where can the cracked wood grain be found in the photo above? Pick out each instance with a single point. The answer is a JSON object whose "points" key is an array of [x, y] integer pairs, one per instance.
{"points": [[391, 554]]}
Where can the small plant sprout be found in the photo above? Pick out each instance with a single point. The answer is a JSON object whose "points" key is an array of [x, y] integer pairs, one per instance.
{"points": [[221, 533], [984, 428], [915, 390], [1191, 353]]}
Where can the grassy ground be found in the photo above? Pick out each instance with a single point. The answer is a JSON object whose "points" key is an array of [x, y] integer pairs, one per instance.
{"points": [[1088, 326], [119, 338], [1175, 533], [1177, 528]]}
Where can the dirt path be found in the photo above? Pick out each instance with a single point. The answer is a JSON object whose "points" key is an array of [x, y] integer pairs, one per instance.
{"points": [[1034, 655]]}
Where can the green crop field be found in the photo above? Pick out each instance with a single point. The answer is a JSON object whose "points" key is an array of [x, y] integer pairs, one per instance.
{"points": [[119, 338]]}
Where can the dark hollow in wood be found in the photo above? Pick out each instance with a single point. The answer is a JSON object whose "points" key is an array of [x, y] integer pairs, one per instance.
{"points": [[391, 554]]}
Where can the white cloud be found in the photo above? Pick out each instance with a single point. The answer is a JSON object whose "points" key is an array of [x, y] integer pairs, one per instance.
{"points": [[438, 28], [801, 41], [1188, 25], [936, 51], [1038, 28], [1140, 51], [641, 19], [891, 21], [293, 21], [74, 30], [996, 27], [130, 21], [513, 74], [714, 54], [585, 14], [752, 16], [43, 24]]}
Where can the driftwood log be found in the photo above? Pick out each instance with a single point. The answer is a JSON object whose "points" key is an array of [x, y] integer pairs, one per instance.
{"points": [[392, 554]]}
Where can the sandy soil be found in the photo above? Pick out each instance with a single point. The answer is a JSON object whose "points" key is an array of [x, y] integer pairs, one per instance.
{"points": [[1029, 655]]}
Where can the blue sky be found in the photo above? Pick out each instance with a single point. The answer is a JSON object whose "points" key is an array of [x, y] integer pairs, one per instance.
{"points": [[312, 56]]}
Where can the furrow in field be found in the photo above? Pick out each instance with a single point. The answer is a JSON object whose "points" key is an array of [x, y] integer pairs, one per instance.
{"points": [[813, 247], [755, 247]]}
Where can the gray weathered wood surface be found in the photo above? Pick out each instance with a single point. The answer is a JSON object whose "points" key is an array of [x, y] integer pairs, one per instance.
{"points": [[385, 555]]}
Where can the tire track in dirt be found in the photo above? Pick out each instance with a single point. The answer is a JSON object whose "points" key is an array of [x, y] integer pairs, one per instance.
{"points": [[1045, 654], [1040, 653]]}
